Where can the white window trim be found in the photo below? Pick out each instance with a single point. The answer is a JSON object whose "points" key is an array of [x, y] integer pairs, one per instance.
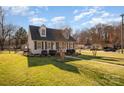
{"points": [[40, 30]]}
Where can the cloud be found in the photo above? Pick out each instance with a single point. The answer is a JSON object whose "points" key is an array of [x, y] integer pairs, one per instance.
{"points": [[75, 11], [108, 19], [38, 20], [58, 22], [88, 12], [105, 14], [31, 13], [105, 17], [96, 15], [58, 19], [21, 10], [95, 21]]}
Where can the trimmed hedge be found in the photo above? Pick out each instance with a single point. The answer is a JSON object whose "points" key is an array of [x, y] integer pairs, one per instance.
{"points": [[44, 52], [52, 52], [70, 51]]}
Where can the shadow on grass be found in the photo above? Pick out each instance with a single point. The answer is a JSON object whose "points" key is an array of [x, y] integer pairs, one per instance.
{"points": [[90, 57], [110, 60], [41, 61]]}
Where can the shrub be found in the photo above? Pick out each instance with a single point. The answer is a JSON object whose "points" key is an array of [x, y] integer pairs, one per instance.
{"points": [[70, 51], [52, 52], [44, 52]]}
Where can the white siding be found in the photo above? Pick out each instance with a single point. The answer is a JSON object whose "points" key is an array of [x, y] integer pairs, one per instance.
{"points": [[30, 42]]}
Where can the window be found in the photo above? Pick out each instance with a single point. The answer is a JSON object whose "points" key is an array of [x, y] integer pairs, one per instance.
{"points": [[48, 45], [42, 45], [43, 32], [67, 45], [45, 45], [67, 35], [51, 45], [63, 44], [38, 45], [35, 45], [73, 45], [57, 45]]}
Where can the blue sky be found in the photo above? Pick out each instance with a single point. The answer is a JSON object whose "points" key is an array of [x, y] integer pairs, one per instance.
{"points": [[77, 17]]}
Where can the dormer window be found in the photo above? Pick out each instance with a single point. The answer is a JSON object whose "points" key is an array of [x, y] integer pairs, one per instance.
{"points": [[66, 33], [42, 31]]}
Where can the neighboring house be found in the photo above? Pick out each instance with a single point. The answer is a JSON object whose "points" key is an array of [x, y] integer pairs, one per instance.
{"points": [[43, 38], [97, 46]]}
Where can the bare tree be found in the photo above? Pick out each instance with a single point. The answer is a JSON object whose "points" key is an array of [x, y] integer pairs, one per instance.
{"points": [[6, 30], [76, 35], [103, 34], [2, 31]]}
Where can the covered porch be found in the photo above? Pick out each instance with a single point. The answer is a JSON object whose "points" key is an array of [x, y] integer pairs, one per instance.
{"points": [[52, 45]]}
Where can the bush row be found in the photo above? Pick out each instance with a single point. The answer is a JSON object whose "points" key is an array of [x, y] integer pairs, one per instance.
{"points": [[54, 52], [51, 52]]}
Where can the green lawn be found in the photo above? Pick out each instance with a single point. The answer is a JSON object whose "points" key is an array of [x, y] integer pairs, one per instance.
{"points": [[105, 69]]}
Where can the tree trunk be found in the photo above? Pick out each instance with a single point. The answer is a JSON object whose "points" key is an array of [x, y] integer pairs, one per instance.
{"points": [[2, 45]]}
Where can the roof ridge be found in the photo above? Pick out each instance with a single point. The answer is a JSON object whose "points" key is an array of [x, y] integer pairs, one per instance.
{"points": [[46, 27]]}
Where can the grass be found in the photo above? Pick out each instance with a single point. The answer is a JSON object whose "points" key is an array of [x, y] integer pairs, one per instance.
{"points": [[106, 57], [105, 69]]}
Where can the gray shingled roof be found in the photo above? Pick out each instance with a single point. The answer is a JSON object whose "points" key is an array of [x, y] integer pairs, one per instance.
{"points": [[51, 34]]}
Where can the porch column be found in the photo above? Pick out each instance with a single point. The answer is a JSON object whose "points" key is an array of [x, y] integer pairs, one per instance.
{"points": [[43, 45], [48, 45], [54, 45]]}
